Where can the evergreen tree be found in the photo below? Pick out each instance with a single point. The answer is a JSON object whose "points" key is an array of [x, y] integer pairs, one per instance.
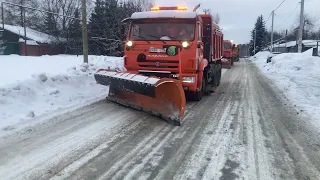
{"points": [[97, 28], [50, 26], [104, 30], [261, 36], [113, 11], [75, 33]]}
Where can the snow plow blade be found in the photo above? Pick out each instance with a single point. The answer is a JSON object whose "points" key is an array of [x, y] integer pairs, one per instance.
{"points": [[163, 97]]}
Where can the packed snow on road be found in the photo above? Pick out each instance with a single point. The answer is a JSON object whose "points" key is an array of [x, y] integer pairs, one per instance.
{"points": [[31, 87], [297, 75]]}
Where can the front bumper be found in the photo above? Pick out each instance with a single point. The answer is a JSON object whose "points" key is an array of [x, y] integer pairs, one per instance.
{"points": [[189, 82]]}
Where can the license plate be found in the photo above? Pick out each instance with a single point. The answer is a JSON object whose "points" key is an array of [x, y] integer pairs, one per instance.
{"points": [[157, 50]]}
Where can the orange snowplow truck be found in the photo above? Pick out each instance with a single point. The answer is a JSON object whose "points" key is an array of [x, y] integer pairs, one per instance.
{"points": [[235, 52], [227, 51], [169, 52]]}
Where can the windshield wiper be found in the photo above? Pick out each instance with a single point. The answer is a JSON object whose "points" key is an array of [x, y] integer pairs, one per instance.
{"points": [[143, 38], [173, 38], [156, 37]]}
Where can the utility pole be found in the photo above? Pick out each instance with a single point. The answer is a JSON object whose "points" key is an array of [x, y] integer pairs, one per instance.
{"points": [[25, 32], [301, 27], [2, 15], [84, 32], [272, 31], [255, 39], [286, 39]]}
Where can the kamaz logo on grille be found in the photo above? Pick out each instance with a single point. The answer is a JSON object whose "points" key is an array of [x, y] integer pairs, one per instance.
{"points": [[157, 64]]}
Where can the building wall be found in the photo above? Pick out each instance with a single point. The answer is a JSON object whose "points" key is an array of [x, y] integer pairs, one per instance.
{"points": [[39, 50], [13, 46]]}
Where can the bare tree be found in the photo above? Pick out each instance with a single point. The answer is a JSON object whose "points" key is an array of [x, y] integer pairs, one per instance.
{"points": [[14, 15], [309, 25], [216, 18]]}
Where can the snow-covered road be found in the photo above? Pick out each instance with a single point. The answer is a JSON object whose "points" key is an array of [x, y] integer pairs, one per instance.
{"points": [[243, 131]]}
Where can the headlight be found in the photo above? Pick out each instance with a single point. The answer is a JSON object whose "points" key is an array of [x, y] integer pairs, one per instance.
{"points": [[188, 79], [129, 43], [185, 44]]}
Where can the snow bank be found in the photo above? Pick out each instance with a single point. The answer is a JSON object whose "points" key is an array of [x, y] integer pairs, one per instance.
{"points": [[33, 86], [298, 75]]}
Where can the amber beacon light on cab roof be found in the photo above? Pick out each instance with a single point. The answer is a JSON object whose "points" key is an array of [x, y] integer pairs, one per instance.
{"points": [[170, 54]]}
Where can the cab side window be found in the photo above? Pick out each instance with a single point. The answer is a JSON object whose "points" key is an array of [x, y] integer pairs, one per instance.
{"points": [[199, 32]]}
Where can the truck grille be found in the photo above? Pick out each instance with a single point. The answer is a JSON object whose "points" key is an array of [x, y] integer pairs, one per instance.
{"points": [[160, 64]]}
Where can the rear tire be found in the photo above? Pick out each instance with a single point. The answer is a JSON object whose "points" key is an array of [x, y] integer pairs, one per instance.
{"points": [[219, 76]]}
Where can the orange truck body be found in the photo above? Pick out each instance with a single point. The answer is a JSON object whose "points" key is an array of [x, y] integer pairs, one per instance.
{"points": [[169, 54], [227, 49]]}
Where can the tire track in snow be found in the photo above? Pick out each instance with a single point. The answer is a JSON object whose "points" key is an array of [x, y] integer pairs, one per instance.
{"points": [[237, 132], [147, 156], [292, 159], [46, 152], [212, 139]]}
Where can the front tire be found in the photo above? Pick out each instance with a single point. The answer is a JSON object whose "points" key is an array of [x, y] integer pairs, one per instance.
{"points": [[198, 95]]}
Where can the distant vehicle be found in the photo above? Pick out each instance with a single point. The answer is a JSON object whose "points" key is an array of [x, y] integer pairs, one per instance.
{"points": [[227, 54], [235, 53]]}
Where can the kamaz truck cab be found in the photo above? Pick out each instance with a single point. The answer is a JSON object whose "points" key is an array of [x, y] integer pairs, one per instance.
{"points": [[227, 51], [175, 43]]}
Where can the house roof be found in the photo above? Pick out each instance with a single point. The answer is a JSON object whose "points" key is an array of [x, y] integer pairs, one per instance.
{"points": [[308, 43], [30, 34]]}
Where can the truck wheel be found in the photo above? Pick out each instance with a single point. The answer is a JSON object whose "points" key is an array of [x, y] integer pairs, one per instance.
{"points": [[205, 87], [197, 96], [219, 76]]}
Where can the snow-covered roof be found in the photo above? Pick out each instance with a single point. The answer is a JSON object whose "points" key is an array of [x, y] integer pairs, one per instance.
{"points": [[164, 14], [31, 33], [29, 42], [309, 43]]}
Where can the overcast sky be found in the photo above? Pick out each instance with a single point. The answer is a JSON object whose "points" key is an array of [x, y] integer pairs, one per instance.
{"points": [[238, 16]]}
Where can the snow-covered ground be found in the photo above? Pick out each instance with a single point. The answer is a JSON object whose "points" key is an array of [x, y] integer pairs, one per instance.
{"points": [[31, 87], [298, 76]]}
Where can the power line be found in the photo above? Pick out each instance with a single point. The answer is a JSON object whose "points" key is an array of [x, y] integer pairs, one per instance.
{"points": [[276, 9], [268, 17], [282, 37], [280, 5], [286, 20]]}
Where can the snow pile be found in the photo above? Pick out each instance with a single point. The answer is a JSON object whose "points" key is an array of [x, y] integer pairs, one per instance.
{"points": [[298, 75], [310, 51], [33, 86]]}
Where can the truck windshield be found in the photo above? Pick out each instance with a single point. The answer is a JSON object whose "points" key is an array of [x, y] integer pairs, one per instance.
{"points": [[227, 46], [162, 31]]}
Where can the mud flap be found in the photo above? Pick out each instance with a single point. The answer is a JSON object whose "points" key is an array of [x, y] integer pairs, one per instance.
{"points": [[164, 97]]}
